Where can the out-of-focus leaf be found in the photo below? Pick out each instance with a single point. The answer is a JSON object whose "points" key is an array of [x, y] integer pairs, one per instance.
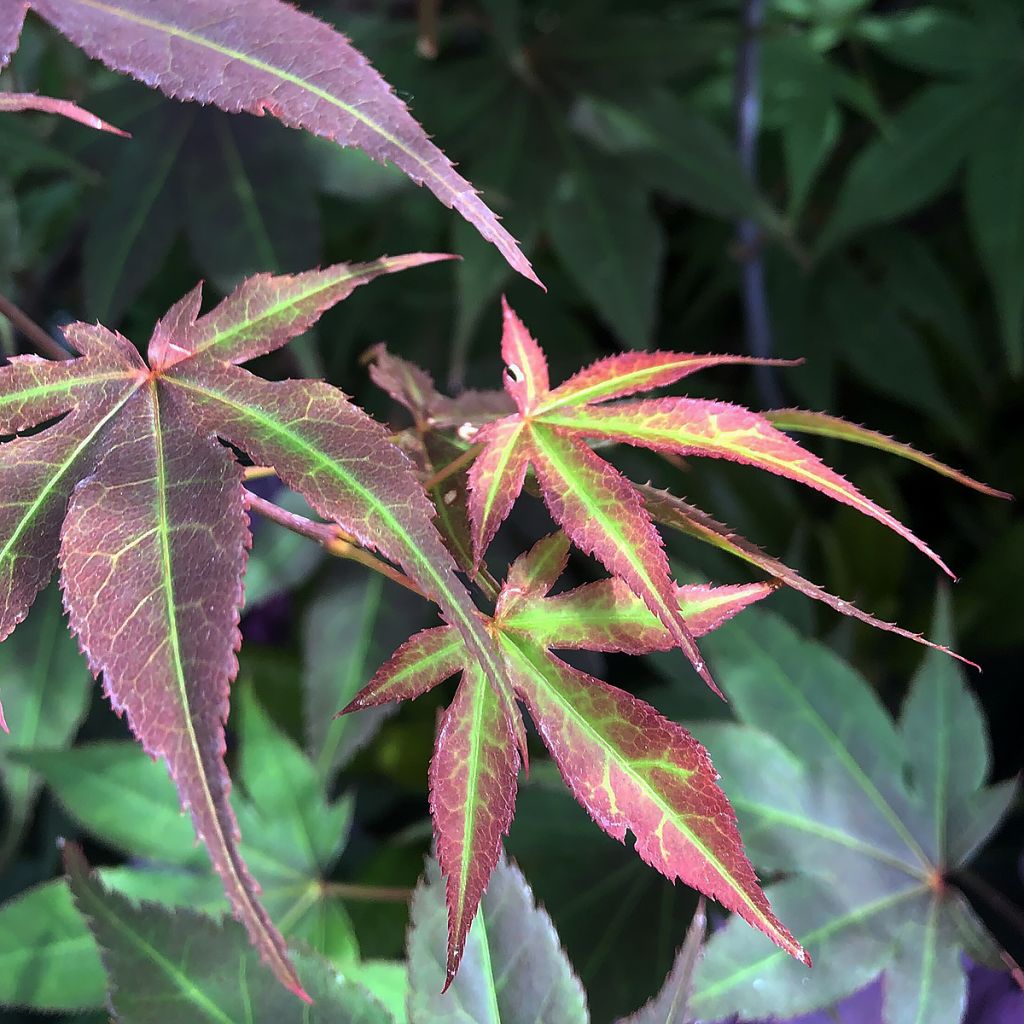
{"points": [[603, 228], [135, 222], [995, 206], [513, 970], [121, 796], [671, 1005], [166, 966], [249, 200], [678, 152], [47, 688], [348, 630], [912, 162], [864, 815]]}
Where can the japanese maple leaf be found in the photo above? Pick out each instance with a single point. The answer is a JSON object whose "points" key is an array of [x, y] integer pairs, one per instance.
{"points": [[143, 507], [263, 57], [602, 512], [627, 765]]}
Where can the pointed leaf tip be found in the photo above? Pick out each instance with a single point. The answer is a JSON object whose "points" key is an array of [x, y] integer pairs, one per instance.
{"points": [[17, 101], [825, 425]]}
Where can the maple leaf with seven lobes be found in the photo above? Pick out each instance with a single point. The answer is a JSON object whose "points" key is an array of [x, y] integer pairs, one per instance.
{"points": [[602, 512], [143, 507], [627, 765]]}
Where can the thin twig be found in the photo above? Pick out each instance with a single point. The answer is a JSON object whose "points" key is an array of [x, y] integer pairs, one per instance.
{"points": [[37, 337], [453, 467], [366, 893], [426, 38], [748, 124], [1010, 912], [332, 538], [258, 472]]}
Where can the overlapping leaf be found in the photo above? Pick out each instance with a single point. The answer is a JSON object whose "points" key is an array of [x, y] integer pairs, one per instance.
{"points": [[180, 966], [873, 819], [601, 511], [514, 969], [266, 58], [627, 765], [155, 534], [292, 836]]}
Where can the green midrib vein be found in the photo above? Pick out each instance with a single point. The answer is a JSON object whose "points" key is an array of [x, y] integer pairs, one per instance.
{"points": [[100, 910], [167, 577], [480, 689], [285, 76], [843, 755], [665, 612], [42, 390], [855, 916], [667, 812], [424, 565], [58, 475]]}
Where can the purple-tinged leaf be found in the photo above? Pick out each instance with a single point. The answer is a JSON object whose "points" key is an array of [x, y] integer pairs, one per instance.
{"points": [[608, 616], [408, 384], [633, 769], [533, 574], [12, 17], [627, 374], [671, 1004], [152, 555], [341, 461], [13, 101], [39, 472], [822, 424], [472, 799], [265, 312], [691, 426], [526, 369], [496, 479], [33, 390], [269, 57], [680, 515], [604, 516], [424, 660]]}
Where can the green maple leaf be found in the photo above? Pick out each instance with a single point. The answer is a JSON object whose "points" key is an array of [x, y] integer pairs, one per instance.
{"points": [[873, 818]]}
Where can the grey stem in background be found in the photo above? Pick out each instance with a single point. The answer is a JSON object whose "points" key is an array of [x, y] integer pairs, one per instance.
{"points": [[748, 122]]}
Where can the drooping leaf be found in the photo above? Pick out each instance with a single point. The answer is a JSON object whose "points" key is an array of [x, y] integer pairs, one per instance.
{"points": [[670, 1005], [602, 226], [347, 630], [13, 101], [273, 59], [472, 799], [513, 971], [181, 966], [680, 515], [46, 686], [628, 766], [600, 510], [994, 197], [154, 540], [859, 813], [910, 165], [161, 501]]}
